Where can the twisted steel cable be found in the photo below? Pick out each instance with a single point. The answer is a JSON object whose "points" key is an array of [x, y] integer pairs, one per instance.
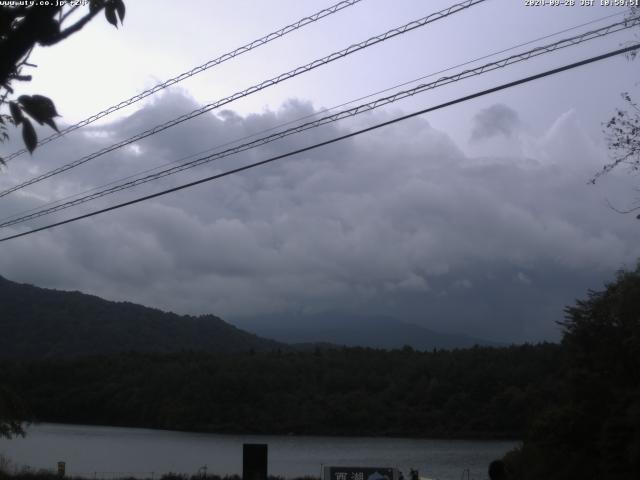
{"points": [[365, 107], [312, 115], [250, 166], [196, 70], [255, 88]]}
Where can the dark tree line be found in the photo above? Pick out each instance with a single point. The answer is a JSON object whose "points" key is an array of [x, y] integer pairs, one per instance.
{"points": [[575, 405], [12, 412], [477, 392]]}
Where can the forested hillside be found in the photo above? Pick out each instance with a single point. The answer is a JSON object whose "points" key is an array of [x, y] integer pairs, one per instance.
{"points": [[478, 392], [42, 323], [592, 430]]}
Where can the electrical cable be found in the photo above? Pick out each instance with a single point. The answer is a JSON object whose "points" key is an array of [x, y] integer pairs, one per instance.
{"points": [[594, 34], [194, 71], [315, 114], [261, 86], [334, 140]]}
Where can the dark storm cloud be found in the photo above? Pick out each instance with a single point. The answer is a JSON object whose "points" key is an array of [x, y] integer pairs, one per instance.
{"points": [[494, 121], [400, 221]]}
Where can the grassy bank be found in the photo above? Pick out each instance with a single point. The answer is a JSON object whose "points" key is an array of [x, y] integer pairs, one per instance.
{"points": [[28, 474]]}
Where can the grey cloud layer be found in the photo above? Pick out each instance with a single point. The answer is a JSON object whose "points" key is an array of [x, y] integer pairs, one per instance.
{"points": [[495, 120], [399, 221]]}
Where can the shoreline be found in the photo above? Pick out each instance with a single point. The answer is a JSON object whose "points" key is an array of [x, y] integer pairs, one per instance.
{"points": [[393, 436]]}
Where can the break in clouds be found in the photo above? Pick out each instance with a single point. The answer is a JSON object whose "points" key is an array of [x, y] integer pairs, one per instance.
{"points": [[399, 221]]}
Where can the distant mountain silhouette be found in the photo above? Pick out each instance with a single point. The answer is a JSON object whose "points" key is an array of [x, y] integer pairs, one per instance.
{"points": [[342, 328], [42, 323]]}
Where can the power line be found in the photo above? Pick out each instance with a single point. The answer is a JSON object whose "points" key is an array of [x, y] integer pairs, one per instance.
{"points": [[256, 88], [315, 114], [194, 71], [335, 139], [502, 63]]}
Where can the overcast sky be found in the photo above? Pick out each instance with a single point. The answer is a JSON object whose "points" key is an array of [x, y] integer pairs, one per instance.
{"points": [[477, 218]]}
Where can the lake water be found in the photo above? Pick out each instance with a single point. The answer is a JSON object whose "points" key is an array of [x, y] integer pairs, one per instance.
{"points": [[107, 452]]}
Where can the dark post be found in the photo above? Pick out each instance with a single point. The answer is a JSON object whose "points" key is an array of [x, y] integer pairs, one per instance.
{"points": [[497, 470], [61, 469], [254, 461]]}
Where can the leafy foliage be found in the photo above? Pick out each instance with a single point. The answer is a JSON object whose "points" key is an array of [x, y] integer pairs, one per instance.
{"points": [[594, 430], [24, 26], [622, 131], [114, 10], [623, 139]]}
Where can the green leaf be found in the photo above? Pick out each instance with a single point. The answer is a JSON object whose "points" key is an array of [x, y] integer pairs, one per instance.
{"points": [[52, 124], [16, 113], [110, 14], [40, 108], [95, 5], [120, 9], [29, 135], [5, 20], [48, 31]]}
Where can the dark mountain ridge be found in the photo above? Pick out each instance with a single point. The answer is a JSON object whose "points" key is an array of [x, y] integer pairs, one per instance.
{"points": [[342, 328], [40, 323]]}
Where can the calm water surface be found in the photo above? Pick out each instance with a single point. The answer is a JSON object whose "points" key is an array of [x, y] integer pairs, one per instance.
{"points": [[110, 451]]}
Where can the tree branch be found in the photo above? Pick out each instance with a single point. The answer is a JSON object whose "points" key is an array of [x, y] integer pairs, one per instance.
{"points": [[23, 38], [76, 27], [63, 16], [623, 212]]}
